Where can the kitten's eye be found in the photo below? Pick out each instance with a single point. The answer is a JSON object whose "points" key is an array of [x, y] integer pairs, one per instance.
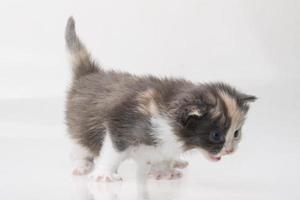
{"points": [[216, 137], [236, 133]]}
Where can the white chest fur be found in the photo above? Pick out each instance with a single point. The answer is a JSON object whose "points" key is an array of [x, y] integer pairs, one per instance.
{"points": [[168, 146]]}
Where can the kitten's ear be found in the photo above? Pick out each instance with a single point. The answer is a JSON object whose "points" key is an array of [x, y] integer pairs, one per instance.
{"points": [[191, 119], [192, 114], [245, 98]]}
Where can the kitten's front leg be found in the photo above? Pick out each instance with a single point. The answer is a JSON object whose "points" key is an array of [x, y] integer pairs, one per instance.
{"points": [[180, 164], [107, 163], [143, 169], [167, 169]]}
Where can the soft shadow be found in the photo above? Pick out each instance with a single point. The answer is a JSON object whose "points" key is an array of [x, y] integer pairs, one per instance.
{"points": [[86, 189]]}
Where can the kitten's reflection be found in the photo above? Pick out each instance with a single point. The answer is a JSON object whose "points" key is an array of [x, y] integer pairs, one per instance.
{"points": [[85, 189]]}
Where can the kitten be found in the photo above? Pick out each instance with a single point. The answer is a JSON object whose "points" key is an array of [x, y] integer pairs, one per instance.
{"points": [[113, 116]]}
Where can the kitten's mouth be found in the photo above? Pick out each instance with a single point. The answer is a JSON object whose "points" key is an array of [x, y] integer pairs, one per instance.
{"points": [[215, 158], [212, 157]]}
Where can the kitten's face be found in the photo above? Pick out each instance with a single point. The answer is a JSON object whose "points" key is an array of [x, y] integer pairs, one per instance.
{"points": [[212, 121]]}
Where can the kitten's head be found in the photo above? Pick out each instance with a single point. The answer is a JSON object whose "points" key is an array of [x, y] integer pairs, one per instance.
{"points": [[210, 117]]}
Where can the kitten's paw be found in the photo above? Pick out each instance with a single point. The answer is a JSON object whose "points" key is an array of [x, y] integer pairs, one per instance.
{"points": [[83, 167], [180, 164], [165, 174], [105, 177]]}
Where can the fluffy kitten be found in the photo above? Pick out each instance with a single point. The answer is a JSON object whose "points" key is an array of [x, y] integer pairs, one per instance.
{"points": [[113, 116]]}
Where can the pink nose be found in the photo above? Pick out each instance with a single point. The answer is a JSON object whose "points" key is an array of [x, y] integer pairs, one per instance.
{"points": [[229, 151]]}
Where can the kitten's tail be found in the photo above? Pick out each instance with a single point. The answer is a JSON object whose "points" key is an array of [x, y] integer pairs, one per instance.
{"points": [[80, 57]]}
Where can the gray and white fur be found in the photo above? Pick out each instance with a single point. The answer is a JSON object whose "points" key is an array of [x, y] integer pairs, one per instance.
{"points": [[112, 116]]}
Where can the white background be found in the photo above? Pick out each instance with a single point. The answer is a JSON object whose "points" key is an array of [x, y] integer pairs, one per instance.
{"points": [[252, 44]]}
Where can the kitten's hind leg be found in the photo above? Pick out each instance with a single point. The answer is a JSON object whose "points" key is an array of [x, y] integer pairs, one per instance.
{"points": [[107, 163], [82, 160]]}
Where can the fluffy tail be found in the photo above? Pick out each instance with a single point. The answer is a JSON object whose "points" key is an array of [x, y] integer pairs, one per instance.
{"points": [[80, 57]]}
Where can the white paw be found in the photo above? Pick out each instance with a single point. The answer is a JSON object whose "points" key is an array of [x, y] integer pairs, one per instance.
{"points": [[83, 167], [180, 164], [105, 177], [165, 174]]}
